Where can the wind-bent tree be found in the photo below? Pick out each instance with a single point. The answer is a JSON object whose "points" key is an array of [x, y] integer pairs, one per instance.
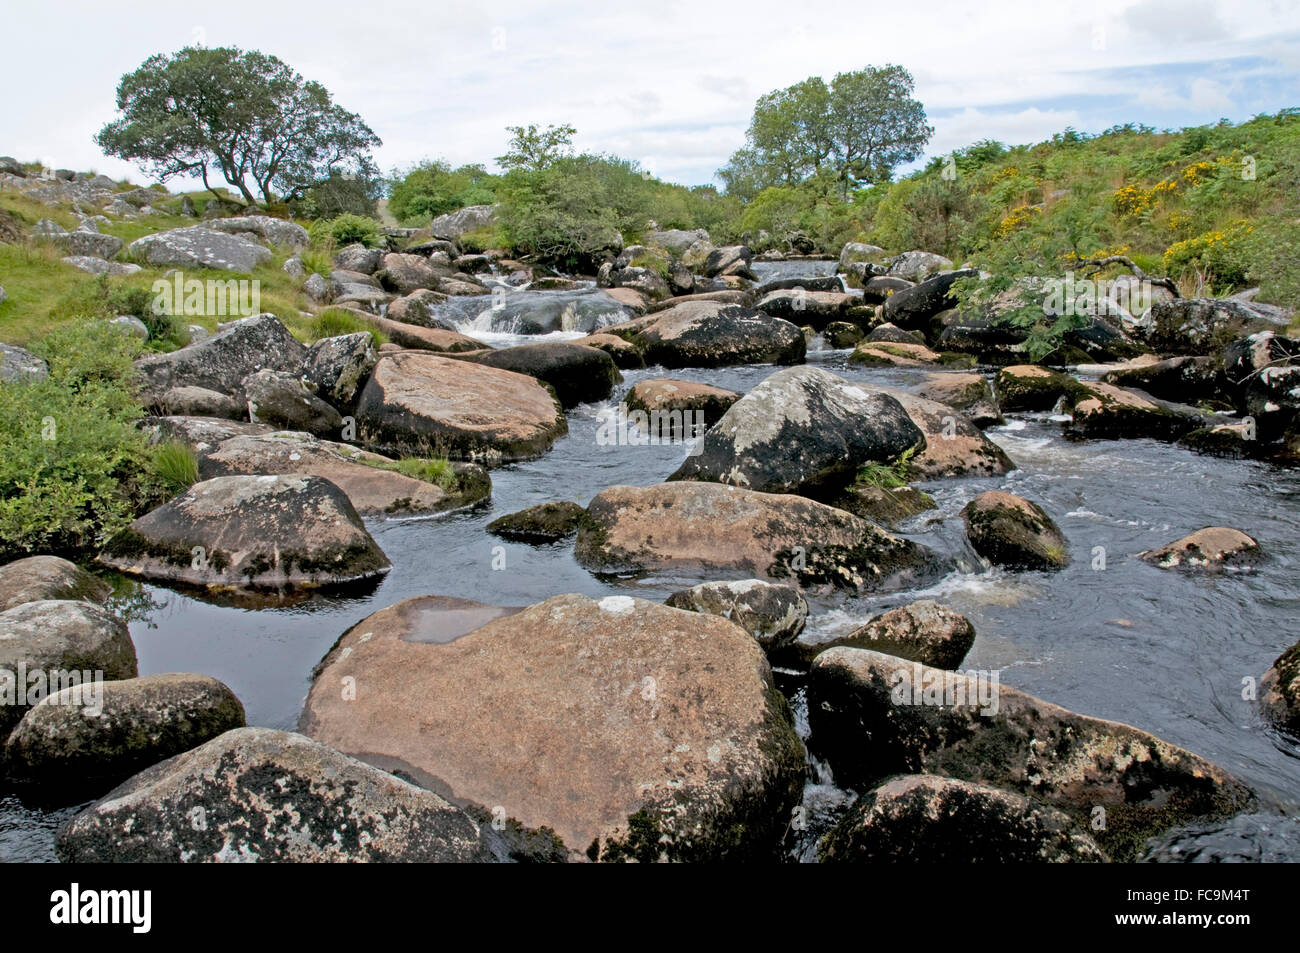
{"points": [[861, 127], [245, 116]]}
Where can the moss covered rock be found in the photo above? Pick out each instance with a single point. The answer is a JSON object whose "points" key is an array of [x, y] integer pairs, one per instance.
{"points": [[544, 523], [1010, 531]]}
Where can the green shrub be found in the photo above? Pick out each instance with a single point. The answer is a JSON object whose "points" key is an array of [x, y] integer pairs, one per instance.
{"points": [[74, 467], [346, 229], [480, 240], [433, 188]]}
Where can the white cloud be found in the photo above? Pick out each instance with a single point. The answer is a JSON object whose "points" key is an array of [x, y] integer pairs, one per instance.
{"points": [[670, 84]]}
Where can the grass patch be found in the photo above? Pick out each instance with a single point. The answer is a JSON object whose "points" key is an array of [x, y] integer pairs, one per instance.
{"points": [[429, 469], [333, 322], [176, 465]]}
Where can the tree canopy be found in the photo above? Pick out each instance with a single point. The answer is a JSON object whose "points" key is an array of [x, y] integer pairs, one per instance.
{"points": [[532, 150], [862, 126], [242, 115]]}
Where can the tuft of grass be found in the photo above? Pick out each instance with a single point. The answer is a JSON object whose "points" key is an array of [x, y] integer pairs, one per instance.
{"points": [[333, 322], [175, 465], [319, 260], [429, 469]]}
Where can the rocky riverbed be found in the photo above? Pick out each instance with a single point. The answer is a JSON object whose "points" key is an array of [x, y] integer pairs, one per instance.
{"points": [[925, 600]]}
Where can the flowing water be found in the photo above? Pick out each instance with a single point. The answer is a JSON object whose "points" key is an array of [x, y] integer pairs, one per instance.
{"points": [[1160, 650]]}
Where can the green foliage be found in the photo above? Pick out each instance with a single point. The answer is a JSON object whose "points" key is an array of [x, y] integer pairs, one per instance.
{"points": [[356, 192], [429, 469], [860, 128], [805, 218], [346, 229], [889, 476], [531, 150], [433, 188], [480, 240], [574, 210], [175, 465], [74, 467], [333, 322], [240, 114]]}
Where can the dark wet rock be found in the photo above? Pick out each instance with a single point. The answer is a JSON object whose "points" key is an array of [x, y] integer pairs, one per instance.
{"points": [[875, 715], [1030, 387], [254, 794], [892, 334], [43, 644], [716, 528], [200, 246], [1279, 695], [773, 614], [283, 400], [114, 729], [35, 578], [801, 430], [665, 396], [923, 818], [1010, 531], [256, 531], [992, 339], [223, 361], [913, 307], [578, 374], [1110, 412], [887, 505], [815, 308], [715, 334], [1231, 440], [370, 481], [1214, 547], [544, 523], [423, 404], [1263, 372], [1187, 380], [841, 334], [877, 289], [339, 367], [630, 772], [831, 283]]}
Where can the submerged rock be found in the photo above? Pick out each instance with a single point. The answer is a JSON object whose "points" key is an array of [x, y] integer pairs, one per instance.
{"points": [[544, 523], [257, 531], [875, 715], [711, 527], [1214, 547], [773, 614], [1010, 531], [254, 794], [664, 737], [923, 818]]}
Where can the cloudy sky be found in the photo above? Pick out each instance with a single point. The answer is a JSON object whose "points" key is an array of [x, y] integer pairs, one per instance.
{"points": [[669, 83]]}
